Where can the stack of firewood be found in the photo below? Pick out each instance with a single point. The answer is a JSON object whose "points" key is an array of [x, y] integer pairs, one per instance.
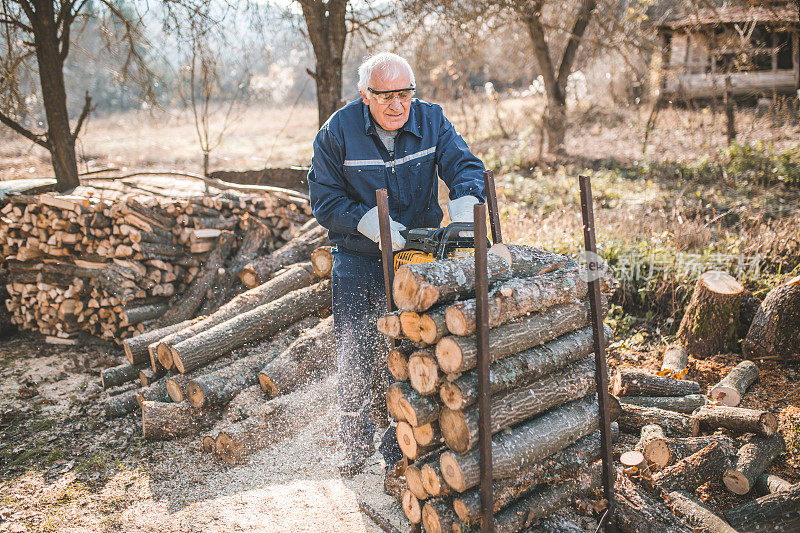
{"points": [[672, 459], [110, 263], [229, 367], [544, 411]]}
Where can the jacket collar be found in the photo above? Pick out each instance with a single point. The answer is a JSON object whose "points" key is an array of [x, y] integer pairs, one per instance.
{"points": [[411, 125]]}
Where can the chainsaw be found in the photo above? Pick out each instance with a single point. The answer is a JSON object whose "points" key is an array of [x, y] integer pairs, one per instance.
{"points": [[425, 245]]}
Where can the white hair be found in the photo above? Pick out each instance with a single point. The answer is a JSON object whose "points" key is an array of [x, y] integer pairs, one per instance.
{"points": [[392, 66]]}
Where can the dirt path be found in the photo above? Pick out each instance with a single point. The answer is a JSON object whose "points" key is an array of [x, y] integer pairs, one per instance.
{"points": [[64, 468]]}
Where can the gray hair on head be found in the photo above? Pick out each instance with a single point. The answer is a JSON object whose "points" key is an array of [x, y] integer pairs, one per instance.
{"points": [[392, 66]]}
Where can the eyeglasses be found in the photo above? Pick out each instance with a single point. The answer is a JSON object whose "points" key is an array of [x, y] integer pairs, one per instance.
{"points": [[386, 97]]}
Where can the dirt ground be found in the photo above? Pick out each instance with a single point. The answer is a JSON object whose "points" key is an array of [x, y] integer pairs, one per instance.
{"points": [[63, 467]]}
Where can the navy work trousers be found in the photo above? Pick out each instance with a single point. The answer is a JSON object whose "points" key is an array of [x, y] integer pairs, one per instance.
{"points": [[359, 298]]}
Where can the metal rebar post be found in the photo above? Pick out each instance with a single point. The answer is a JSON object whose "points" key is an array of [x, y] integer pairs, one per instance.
{"points": [[491, 201], [601, 365], [484, 392], [386, 245]]}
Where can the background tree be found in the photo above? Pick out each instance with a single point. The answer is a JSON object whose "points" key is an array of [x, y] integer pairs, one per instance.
{"points": [[43, 29]]}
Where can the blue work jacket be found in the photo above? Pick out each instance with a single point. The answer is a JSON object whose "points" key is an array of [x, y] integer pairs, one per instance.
{"points": [[350, 163]]}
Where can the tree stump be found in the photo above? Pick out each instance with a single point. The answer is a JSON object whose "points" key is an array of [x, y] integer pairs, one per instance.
{"points": [[775, 330], [711, 321]]}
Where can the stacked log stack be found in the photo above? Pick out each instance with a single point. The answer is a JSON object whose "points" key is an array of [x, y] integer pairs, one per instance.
{"points": [[688, 439], [544, 410], [113, 264]]}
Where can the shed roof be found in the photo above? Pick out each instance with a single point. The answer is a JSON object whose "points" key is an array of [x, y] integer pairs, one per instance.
{"points": [[782, 13]]}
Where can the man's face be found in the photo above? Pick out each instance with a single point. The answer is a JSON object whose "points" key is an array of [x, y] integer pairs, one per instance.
{"points": [[393, 115]]}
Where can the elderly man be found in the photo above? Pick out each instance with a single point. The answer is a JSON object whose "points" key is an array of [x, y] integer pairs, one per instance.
{"points": [[385, 140]]}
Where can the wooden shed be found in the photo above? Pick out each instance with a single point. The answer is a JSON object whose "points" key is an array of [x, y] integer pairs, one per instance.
{"points": [[753, 48]]}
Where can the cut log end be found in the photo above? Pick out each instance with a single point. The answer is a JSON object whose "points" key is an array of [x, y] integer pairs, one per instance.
{"points": [[423, 373], [249, 277], [267, 385], [449, 355], [454, 430], [165, 356], [456, 321], [406, 440], [736, 482], [175, 391], [398, 365], [725, 395], [195, 394], [414, 482], [633, 460], [657, 452], [451, 472], [432, 481], [451, 396], [721, 282], [411, 507], [208, 445]]}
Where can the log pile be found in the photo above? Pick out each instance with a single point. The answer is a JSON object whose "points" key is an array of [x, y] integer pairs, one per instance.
{"points": [[114, 264], [544, 407], [687, 439]]}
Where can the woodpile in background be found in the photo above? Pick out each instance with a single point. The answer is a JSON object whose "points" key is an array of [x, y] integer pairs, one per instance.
{"points": [[544, 409], [229, 368], [687, 439], [114, 264]]}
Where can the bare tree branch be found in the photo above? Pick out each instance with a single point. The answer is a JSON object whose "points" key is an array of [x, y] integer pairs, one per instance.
{"points": [[87, 108], [19, 128]]}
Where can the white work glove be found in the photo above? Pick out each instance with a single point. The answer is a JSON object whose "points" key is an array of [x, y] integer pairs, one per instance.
{"points": [[460, 209], [370, 227]]}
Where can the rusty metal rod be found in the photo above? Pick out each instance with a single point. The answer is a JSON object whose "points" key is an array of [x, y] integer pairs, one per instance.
{"points": [[491, 200], [386, 245], [601, 365], [484, 392]]}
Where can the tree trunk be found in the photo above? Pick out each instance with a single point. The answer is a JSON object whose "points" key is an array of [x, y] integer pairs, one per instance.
{"points": [[775, 330], [184, 306], [219, 386], [751, 461], [310, 356], [259, 323], [630, 382], [525, 444], [638, 512], [121, 404], [561, 465], [711, 321], [136, 347], [680, 404], [775, 512], [423, 372], [693, 471], [417, 287], [682, 447], [117, 375], [460, 428], [770, 484], [634, 418], [296, 250], [653, 446], [697, 515], [169, 420], [459, 354], [737, 419], [60, 141], [730, 390], [518, 297], [294, 278], [521, 368], [674, 363]]}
